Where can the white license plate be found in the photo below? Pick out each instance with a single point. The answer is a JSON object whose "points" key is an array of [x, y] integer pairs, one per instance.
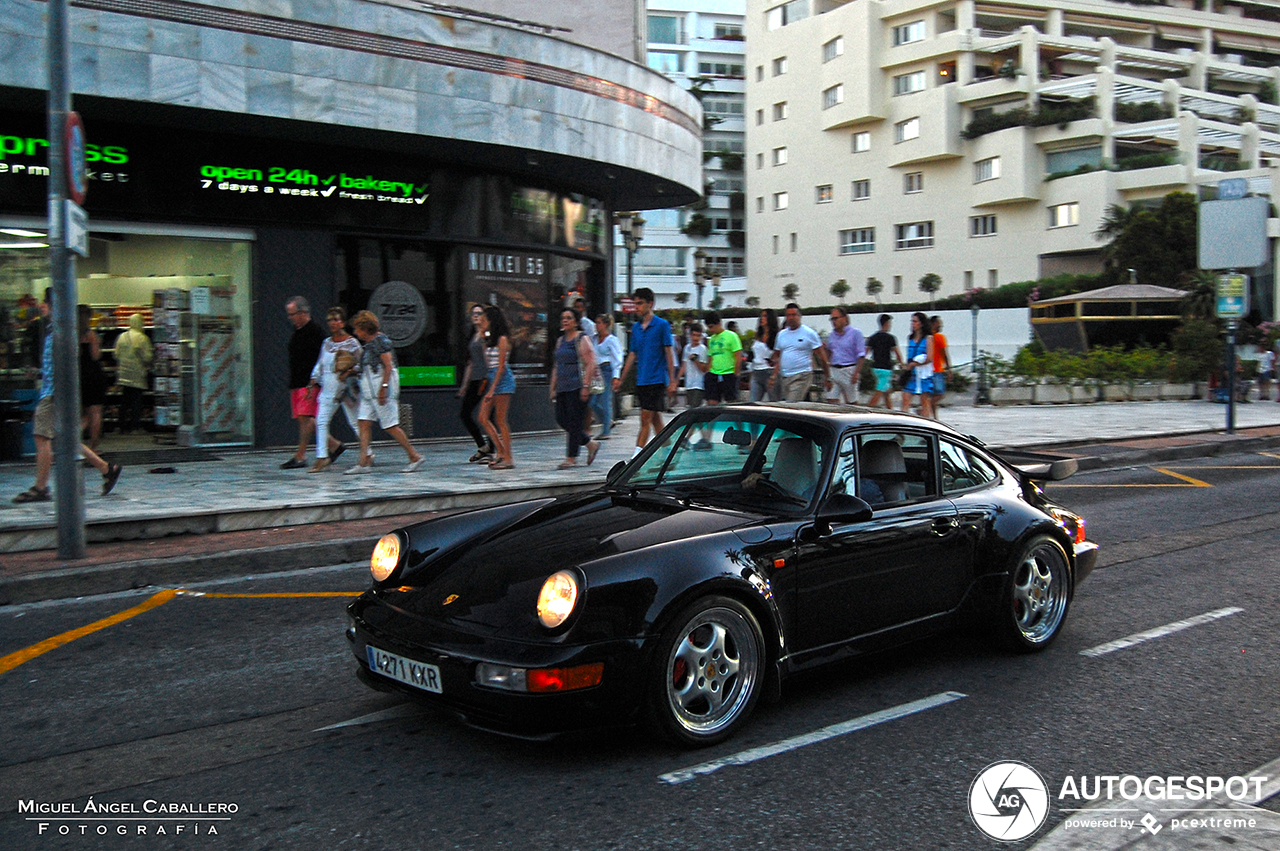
{"points": [[416, 674]]}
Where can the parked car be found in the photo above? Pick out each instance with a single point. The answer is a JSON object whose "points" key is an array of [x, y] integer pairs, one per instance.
{"points": [[746, 543]]}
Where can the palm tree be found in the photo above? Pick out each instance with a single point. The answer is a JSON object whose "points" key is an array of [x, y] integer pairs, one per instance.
{"points": [[1201, 300]]}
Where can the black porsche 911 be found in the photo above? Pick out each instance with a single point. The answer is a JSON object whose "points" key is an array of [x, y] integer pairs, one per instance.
{"points": [[744, 544]]}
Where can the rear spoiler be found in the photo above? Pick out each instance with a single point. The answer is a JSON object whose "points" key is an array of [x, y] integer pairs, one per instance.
{"points": [[1038, 467]]}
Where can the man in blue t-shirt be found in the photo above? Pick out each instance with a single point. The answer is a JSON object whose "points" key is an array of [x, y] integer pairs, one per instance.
{"points": [[650, 353]]}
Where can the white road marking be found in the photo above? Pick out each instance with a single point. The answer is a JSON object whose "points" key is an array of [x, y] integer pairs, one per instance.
{"points": [[400, 710], [764, 751], [1160, 631]]}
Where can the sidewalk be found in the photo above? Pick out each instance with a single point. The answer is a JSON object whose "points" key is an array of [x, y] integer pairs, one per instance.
{"points": [[241, 514]]}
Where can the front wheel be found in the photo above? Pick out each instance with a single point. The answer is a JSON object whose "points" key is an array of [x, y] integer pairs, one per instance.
{"points": [[707, 672], [1036, 596]]}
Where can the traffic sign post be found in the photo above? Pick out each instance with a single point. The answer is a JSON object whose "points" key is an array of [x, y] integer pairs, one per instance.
{"points": [[1232, 305]]}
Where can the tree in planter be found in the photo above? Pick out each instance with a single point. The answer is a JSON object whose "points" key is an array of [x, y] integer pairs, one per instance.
{"points": [[874, 288], [682, 299], [716, 303], [753, 301], [930, 283], [698, 225], [840, 289], [790, 292]]}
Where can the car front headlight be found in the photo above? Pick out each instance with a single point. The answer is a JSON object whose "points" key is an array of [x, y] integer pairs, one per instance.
{"points": [[557, 598], [386, 557]]}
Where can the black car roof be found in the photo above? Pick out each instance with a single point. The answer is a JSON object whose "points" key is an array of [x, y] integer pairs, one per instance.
{"points": [[844, 416]]}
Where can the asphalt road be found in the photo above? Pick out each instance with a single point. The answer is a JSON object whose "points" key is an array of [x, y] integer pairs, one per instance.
{"points": [[223, 702]]}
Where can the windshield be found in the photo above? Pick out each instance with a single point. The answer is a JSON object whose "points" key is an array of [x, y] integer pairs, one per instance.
{"points": [[734, 458]]}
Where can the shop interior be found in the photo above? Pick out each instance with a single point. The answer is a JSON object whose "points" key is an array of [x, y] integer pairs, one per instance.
{"points": [[194, 297]]}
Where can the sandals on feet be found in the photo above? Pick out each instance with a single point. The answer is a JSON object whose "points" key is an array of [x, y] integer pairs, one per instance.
{"points": [[33, 494]]}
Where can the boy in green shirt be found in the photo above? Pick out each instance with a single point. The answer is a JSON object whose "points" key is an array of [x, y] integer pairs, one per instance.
{"points": [[723, 349]]}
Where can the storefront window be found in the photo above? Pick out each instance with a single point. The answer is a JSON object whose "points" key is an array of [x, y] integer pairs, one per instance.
{"points": [[192, 295]]}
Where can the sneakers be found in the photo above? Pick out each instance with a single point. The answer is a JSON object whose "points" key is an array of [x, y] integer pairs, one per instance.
{"points": [[357, 470], [293, 464], [109, 478], [413, 466]]}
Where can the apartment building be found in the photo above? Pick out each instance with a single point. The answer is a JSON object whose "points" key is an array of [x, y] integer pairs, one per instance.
{"points": [[984, 141], [699, 45]]}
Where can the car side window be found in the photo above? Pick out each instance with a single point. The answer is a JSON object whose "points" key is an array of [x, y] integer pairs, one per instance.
{"points": [[894, 467], [963, 470], [844, 477]]}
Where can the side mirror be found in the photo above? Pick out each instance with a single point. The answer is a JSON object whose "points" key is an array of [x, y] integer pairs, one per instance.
{"points": [[844, 508], [614, 472]]}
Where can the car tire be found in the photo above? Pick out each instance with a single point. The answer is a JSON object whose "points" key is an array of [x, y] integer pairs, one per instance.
{"points": [[706, 673], [1037, 594]]}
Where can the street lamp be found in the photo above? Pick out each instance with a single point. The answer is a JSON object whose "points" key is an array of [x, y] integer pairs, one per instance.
{"points": [[980, 370], [632, 227], [699, 273]]}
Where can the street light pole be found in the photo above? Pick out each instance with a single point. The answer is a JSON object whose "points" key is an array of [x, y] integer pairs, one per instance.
{"points": [[979, 369], [699, 273], [632, 227]]}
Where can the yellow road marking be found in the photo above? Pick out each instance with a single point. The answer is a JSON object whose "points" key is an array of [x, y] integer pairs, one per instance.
{"points": [[13, 660], [1195, 482], [279, 594]]}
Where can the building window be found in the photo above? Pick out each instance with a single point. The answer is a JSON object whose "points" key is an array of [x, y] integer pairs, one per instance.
{"points": [[861, 190], [905, 131], [988, 169], [779, 66], [1064, 215], [833, 48], [908, 33], [721, 69], [664, 29], [787, 13], [759, 73], [833, 96], [914, 235], [723, 107], [858, 241], [824, 194], [759, 161], [781, 111], [861, 141], [993, 278], [775, 243], [794, 242], [759, 203], [913, 182], [982, 226], [905, 84], [666, 63], [733, 31], [897, 285], [780, 156], [780, 201], [968, 280], [759, 117]]}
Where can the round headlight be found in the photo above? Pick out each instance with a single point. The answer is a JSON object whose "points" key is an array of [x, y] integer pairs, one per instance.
{"points": [[556, 600], [386, 555]]}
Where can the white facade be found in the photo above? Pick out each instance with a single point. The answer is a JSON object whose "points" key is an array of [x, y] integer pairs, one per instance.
{"points": [[699, 43], [858, 165]]}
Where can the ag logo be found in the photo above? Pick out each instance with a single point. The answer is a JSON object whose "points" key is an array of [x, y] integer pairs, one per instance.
{"points": [[1008, 801]]}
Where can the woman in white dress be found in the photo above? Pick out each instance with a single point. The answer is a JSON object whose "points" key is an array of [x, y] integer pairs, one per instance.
{"points": [[339, 354]]}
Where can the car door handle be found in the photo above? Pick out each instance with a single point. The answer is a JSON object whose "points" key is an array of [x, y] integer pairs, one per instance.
{"points": [[945, 525]]}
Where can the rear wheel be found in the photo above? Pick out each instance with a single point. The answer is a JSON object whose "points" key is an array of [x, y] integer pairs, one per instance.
{"points": [[1036, 596], [707, 672]]}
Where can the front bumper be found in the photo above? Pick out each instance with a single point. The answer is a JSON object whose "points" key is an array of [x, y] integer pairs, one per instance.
{"points": [[611, 703]]}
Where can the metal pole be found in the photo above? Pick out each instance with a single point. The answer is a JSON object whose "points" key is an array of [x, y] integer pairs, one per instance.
{"points": [[62, 269], [631, 252], [1231, 376]]}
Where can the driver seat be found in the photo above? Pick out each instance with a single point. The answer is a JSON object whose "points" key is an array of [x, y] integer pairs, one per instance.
{"points": [[881, 462], [795, 469]]}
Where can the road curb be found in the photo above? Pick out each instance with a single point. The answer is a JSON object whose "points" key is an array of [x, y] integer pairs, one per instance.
{"points": [[91, 580]]}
